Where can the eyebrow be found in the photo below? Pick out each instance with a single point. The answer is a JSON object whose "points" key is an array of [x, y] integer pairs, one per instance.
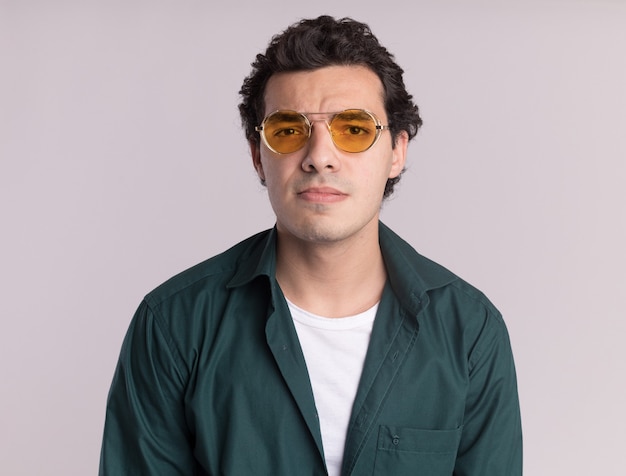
{"points": [[284, 114]]}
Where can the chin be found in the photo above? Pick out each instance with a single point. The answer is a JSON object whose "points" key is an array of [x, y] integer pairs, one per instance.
{"points": [[326, 232]]}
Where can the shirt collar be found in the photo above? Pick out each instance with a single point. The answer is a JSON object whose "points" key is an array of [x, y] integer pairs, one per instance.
{"points": [[259, 260], [410, 274]]}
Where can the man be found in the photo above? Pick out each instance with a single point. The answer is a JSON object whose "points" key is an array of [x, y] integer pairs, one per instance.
{"points": [[326, 345]]}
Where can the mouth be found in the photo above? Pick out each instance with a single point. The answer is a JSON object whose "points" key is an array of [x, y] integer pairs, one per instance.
{"points": [[322, 194]]}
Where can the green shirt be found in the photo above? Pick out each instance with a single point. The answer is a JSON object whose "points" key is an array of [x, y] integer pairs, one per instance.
{"points": [[211, 379]]}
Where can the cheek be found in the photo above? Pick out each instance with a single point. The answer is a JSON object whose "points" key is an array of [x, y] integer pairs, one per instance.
{"points": [[266, 169], [276, 176], [372, 185], [379, 175], [269, 168]]}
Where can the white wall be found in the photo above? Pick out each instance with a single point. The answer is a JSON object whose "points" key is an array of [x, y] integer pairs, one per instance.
{"points": [[122, 163]]}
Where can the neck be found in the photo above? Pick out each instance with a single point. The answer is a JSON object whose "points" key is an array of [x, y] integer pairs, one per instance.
{"points": [[331, 279]]}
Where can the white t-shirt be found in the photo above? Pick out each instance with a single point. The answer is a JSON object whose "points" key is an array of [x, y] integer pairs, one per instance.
{"points": [[334, 350]]}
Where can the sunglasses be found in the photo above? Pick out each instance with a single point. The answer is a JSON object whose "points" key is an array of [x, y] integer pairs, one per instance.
{"points": [[352, 130]]}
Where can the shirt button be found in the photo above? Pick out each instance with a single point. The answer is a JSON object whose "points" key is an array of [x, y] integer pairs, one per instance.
{"points": [[395, 440]]}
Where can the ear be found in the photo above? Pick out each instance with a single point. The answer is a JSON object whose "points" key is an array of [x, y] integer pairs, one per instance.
{"points": [[399, 154], [255, 152]]}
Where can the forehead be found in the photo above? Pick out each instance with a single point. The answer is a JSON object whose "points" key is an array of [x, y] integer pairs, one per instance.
{"points": [[328, 89]]}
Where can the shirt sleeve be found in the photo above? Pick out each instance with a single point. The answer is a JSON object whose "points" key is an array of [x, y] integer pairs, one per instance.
{"points": [[145, 430], [491, 441]]}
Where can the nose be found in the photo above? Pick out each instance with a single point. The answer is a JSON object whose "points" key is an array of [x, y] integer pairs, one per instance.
{"points": [[322, 156]]}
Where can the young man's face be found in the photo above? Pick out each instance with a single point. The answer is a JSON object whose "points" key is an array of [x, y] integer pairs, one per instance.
{"points": [[320, 193]]}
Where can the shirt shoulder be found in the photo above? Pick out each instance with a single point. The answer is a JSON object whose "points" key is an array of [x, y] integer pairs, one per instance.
{"points": [[212, 273], [441, 299]]}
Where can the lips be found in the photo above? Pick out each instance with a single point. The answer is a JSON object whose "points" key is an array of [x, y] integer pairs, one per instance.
{"points": [[322, 194]]}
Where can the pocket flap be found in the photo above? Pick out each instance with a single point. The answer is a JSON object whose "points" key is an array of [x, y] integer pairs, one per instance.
{"points": [[414, 440]]}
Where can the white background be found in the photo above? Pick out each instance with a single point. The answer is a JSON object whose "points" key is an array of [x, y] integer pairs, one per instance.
{"points": [[122, 162]]}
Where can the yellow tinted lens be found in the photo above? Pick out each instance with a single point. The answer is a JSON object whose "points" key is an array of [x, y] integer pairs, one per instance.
{"points": [[353, 130], [285, 131]]}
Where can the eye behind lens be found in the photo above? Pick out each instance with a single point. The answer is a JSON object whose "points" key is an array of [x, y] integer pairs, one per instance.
{"points": [[285, 131], [353, 130]]}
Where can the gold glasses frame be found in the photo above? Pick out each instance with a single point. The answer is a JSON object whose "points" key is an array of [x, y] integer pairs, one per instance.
{"points": [[308, 123]]}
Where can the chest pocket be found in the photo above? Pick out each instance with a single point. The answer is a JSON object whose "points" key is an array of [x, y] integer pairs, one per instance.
{"points": [[409, 451]]}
